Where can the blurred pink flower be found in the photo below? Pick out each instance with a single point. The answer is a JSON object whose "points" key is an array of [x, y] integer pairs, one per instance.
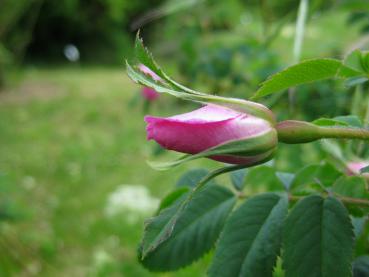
{"points": [[353, 168], [210, 126], [149, 94]]}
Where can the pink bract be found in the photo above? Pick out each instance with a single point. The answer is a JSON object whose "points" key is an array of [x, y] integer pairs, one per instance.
{"points": [[204, 128], [144, 69], [149, 94]]}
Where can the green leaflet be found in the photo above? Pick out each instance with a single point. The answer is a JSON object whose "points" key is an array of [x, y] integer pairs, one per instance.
{"points": [[329, 122], [361, 266], [168, 218], [358, 60], [192, 177], [251, 239], [318, 239], [145, 57], [172, 197], [238, 178], [304, 72], [314, 174], [286, 178], [346, 121], [195, 232], [352, 186]]}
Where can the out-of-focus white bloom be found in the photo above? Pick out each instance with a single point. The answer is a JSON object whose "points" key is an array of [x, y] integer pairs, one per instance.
{"points": [[101, 259], [132, 201], [71, 52]]}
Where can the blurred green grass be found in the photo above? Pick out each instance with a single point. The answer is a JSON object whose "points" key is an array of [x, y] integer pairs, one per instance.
{"points": [[68, 138]]}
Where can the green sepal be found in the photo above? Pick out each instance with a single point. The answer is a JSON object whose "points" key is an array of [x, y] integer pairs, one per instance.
{"points": [[169, 86], [250, 147]]}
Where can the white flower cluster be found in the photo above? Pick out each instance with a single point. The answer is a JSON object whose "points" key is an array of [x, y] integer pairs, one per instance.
{"points": [[132, 201]]}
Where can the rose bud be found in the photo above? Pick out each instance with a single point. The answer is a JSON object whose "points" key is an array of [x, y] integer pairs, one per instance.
{"points": [[220, 133], [353, 168]]}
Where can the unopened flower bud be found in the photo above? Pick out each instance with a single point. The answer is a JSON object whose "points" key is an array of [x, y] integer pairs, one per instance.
{"points": [[214, 126]]}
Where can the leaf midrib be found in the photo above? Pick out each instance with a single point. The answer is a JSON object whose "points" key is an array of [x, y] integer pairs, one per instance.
{"points": [[175, 217], [202, 215]]}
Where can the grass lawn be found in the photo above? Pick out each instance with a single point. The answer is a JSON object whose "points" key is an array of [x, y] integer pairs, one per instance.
{"points": [[69, 138]]}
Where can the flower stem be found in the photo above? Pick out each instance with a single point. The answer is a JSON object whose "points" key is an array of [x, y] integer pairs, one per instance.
{"points": [[293, 131], [297, 45], [345, 133]]}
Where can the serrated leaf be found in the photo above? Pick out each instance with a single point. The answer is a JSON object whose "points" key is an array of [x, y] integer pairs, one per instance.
{"points": [[194, 234], [361, 266], [263, 178], [355, 187], [329, 122], [168, 85], [353, 60], [346, 121], [238, 178], [145, 57], [168, 218], [172, 197], [358, 60], [302, 73], [250, 241], [350, 120], [323, 174], [286, 178], [318, 239], [359, 225], [192, 177], [354, 81], [351, 186]]}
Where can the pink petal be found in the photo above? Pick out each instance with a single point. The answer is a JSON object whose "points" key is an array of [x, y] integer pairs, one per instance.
{"points": [[203, 128]]}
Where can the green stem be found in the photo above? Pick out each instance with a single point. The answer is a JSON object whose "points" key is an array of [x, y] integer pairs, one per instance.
{"points": [[297, 46], [366, 119], [344, 133], [216, 173], [300, 30], [293, 131]]}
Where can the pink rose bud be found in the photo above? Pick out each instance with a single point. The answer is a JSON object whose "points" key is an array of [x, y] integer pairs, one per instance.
{"points": [[353, 168], [213, 126], [149, 94], [144, 69]]}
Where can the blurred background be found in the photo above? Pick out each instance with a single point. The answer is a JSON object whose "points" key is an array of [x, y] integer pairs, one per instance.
{"points": [[74, 185]]}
